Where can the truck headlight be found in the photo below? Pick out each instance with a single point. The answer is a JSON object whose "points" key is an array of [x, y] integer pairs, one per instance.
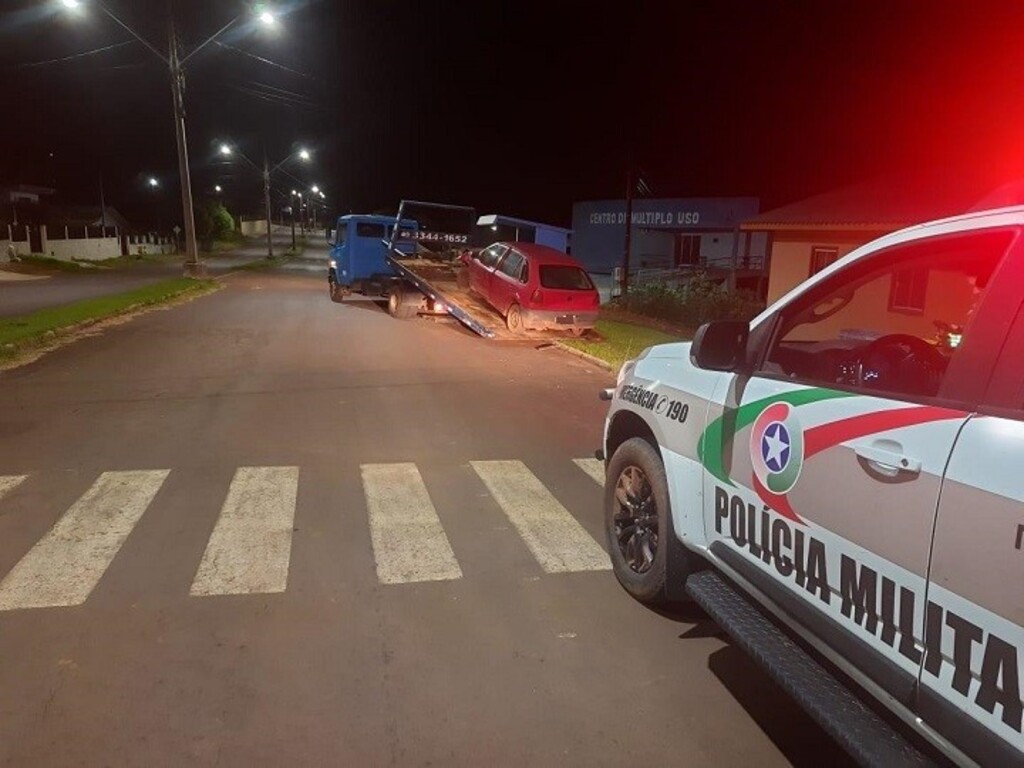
{"points": [[333, 263]]}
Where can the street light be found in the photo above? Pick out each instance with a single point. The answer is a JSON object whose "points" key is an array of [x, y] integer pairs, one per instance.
{"points": [[153, 182], [302, 153], [218, 189], [175, 63]]}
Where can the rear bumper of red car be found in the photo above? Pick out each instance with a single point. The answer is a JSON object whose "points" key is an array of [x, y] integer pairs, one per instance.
{"points": [[553, 320]]}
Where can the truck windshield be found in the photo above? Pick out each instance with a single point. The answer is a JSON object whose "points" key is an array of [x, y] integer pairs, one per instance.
{"points": [[368, 229], [564, 278]]}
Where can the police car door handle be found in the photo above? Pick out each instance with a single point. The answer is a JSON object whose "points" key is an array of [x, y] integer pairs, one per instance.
{"points": [[888, 459]]}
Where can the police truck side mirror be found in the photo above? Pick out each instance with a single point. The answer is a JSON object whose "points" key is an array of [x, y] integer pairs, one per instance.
{"points": [[720, 346]]}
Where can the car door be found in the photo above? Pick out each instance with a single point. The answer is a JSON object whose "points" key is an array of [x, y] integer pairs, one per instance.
{"points": [[481, 267], [505, 283], [974, 619], [824, 471]]}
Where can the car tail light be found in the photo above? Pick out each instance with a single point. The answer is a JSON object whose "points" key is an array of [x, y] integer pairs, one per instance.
{"points": [[538, 297]]}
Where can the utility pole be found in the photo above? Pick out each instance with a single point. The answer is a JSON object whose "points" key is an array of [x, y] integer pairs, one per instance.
{"points": [[103, 207], [292, 208], [192, 265], [266, 200], [629, 229]]}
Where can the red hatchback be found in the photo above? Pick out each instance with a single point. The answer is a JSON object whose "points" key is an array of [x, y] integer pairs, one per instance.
{"points": [[534, 287]]}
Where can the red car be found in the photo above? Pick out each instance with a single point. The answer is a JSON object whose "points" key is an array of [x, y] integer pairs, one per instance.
{"points": [[534, 287]]}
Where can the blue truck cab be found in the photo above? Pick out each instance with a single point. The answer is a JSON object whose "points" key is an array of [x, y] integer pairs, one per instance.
{"points": [[358, 260]]}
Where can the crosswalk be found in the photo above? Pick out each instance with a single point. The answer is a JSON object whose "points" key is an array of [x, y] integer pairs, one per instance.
{"points": [[250, 547]]}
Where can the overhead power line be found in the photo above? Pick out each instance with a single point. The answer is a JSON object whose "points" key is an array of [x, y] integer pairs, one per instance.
{"points": [[74, 56], [268, 62]]}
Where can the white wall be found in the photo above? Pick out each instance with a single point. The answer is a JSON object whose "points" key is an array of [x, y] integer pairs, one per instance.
{"points": [[254, 228], [93, 249]]}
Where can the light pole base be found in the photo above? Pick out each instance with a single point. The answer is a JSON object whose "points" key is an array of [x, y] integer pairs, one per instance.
{"points": [[195, 269]]}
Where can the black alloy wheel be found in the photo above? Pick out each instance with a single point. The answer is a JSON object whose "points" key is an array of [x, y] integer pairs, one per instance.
{"points": [[636, 521]]}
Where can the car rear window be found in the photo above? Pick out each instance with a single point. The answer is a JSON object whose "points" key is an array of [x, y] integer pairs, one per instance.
{"points": [[564, 278]]}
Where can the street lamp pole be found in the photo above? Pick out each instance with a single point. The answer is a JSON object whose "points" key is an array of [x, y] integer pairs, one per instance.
{"points": [[266, 199], [192, 265], [176, 65]]}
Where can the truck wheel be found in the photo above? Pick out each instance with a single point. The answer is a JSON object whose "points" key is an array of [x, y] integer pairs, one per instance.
{"points": [[514, 319], [337, 294], [397, 308], [647, 558]]}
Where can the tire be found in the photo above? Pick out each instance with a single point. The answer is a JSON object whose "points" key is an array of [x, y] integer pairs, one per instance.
{"points": [[337, 294], [396, 306], [514, 319], [578, 332], [647, 558]]}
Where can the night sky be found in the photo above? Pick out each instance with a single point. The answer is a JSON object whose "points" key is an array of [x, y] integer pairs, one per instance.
{"points": [[519, 108]]}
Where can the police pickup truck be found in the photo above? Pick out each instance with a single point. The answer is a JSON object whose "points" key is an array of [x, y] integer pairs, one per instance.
{"points": [[839, 484]]}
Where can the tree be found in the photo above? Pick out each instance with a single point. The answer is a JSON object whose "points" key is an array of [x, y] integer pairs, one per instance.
{"points": [[214, 222]]}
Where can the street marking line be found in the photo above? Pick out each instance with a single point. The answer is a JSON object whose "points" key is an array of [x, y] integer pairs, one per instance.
{"points": [[64, 567], [251, 545], [409, 542], [9, 483], [553, 535], [592, 467]]}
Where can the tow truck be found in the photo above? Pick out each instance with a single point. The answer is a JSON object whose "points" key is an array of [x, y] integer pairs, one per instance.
{"points": [[413, 260]]}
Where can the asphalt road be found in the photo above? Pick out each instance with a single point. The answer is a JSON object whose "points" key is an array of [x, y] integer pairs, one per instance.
{"points": [[23, 297], [248, 490]]}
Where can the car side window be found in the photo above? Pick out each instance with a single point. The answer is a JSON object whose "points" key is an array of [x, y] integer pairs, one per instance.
{"points": [[490, 256], [339, 236], [511, 265], [890, 323]]}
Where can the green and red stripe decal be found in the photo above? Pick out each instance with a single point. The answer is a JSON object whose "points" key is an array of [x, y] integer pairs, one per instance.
{"points": [[717, 439]]}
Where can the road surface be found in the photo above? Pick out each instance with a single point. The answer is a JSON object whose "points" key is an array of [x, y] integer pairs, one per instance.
{"points": [[264, 529], [20, 297]]}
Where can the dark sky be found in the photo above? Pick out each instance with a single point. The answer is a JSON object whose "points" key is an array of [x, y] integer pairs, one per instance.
{"points": [[519, 108]]}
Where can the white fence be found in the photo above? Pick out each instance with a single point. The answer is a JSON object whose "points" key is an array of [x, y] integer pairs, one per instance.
{"points": [[58, 243]]}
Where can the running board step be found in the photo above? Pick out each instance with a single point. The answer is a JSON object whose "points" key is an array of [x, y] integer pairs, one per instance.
{"points": [[856, 728]]}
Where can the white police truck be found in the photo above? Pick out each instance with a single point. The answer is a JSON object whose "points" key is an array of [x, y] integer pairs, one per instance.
{"points": [[839, 484]]}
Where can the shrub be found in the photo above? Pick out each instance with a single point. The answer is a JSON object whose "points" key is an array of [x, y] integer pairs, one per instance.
{"points": [[696, 301], [214, 222]]}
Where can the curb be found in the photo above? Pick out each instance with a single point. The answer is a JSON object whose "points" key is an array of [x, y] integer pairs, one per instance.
{"points": [[585, 356]]}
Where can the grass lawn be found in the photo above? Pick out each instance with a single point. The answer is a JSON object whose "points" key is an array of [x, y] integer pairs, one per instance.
{"points": [[621, 341], [18, 334], [36, 263]]}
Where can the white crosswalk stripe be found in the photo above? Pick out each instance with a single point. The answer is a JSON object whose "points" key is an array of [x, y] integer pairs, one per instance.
{"points": [[66, 564], [409, 543], [250, 548], [553, 535], [592, 467], [9, 483]]}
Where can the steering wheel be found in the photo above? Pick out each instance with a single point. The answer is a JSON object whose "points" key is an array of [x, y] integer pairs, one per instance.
{"points": [[901, 363]]}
